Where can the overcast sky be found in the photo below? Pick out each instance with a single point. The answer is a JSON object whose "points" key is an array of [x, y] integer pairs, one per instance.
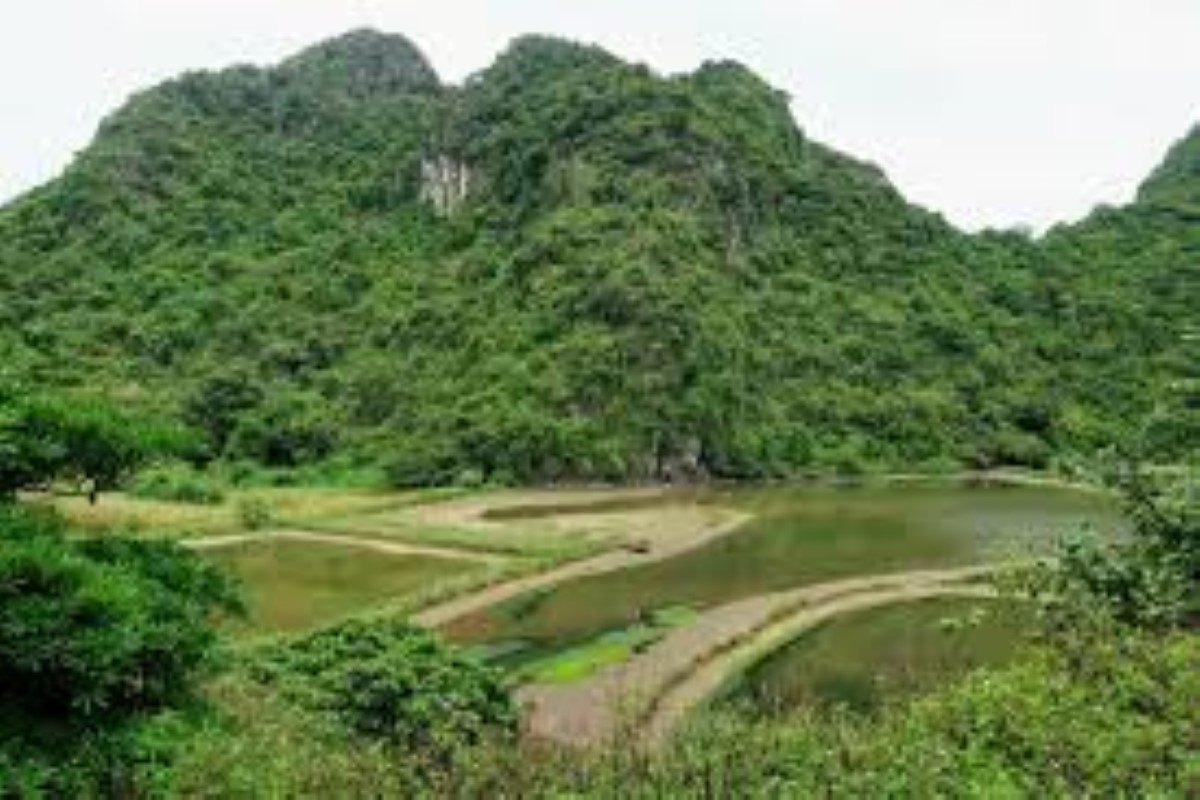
{"points": [[995, 112]]}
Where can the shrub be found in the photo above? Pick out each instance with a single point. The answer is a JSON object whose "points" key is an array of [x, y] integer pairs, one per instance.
{"points": [[102, 637], [267, 747], [1128, 726], [177, 483], [389, 681], [254, 513], [469, 479], [106, 627], [1149, 580], [416, 463]]}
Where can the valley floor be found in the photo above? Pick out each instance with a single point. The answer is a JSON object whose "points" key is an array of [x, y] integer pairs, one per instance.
{"points": [[488, 550]]}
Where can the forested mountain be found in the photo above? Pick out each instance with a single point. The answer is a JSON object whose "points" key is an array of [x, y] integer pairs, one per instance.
{"points": [[571, 267]]}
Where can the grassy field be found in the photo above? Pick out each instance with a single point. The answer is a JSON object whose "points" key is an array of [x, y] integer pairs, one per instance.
{"points": [[864, 660], [146, 517], [578, 662], [516, 539], [285, 506], [292, 586], [547, 525]]}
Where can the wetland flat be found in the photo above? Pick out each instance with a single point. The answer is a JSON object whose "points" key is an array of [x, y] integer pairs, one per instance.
{"points": [[293, 585], [797, 536], [861, 661]]}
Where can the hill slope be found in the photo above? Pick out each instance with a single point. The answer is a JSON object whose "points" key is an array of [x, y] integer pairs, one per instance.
{"points": [[569, 267]]}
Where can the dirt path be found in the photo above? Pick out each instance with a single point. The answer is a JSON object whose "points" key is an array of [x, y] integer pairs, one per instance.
{"points": [[681, 670], [665, 539], [376, 545]]}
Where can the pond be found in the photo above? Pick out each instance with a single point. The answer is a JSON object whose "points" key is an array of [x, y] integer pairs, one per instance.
{"points": [[294, 585], [798, 536], [865, 660]]}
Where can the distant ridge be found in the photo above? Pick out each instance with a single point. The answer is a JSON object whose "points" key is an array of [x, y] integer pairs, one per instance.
{"points": [[571, 268]]}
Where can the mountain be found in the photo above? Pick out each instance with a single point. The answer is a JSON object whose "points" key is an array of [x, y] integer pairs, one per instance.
{"points": [[1130, 296], [569, 267], [1176, 182]]}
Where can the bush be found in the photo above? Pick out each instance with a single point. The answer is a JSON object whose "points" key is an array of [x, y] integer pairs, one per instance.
{"points": [[267, 747], [48, 438], [417, 463], [469, 479], [254, 514], [102, 637], [124, 760], [391, 682], [1127, 726], [102, 628], [177, 483], [1148, 580]]}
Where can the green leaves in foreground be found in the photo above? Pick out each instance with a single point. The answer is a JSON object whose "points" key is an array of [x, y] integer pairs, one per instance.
{"points": [[100, 642], [387, 680], [98, 630], [1126, 725], [1149, 580]]}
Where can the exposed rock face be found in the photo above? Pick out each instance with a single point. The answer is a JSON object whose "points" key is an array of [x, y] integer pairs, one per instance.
{"points": [[445, 183]]}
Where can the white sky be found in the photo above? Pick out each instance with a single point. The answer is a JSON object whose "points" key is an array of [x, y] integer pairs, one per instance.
{"points": [[995, 112]]}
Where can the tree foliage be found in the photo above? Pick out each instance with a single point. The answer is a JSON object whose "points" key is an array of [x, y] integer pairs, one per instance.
{"points": [[572, 267], [388, 681], [98, 639], [58, 437], [1149, 580]]}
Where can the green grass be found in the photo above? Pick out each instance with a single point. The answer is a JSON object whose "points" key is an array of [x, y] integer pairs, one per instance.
{"points": [[519, 540], [579, 662], [1121, 723], [287, 506], [293, 586], [529, 663], [145, 516], [550, 546], [862, 661]]}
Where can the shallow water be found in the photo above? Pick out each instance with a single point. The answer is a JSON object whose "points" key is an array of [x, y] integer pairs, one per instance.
{"points": [[292, 586], [865, 660], [800, 536]]}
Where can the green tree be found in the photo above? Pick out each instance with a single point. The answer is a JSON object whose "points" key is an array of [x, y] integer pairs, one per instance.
{"points": [[389, 681], [98, 638], [48, 438], [572, 268], [1148, 580], [217, 403]]}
